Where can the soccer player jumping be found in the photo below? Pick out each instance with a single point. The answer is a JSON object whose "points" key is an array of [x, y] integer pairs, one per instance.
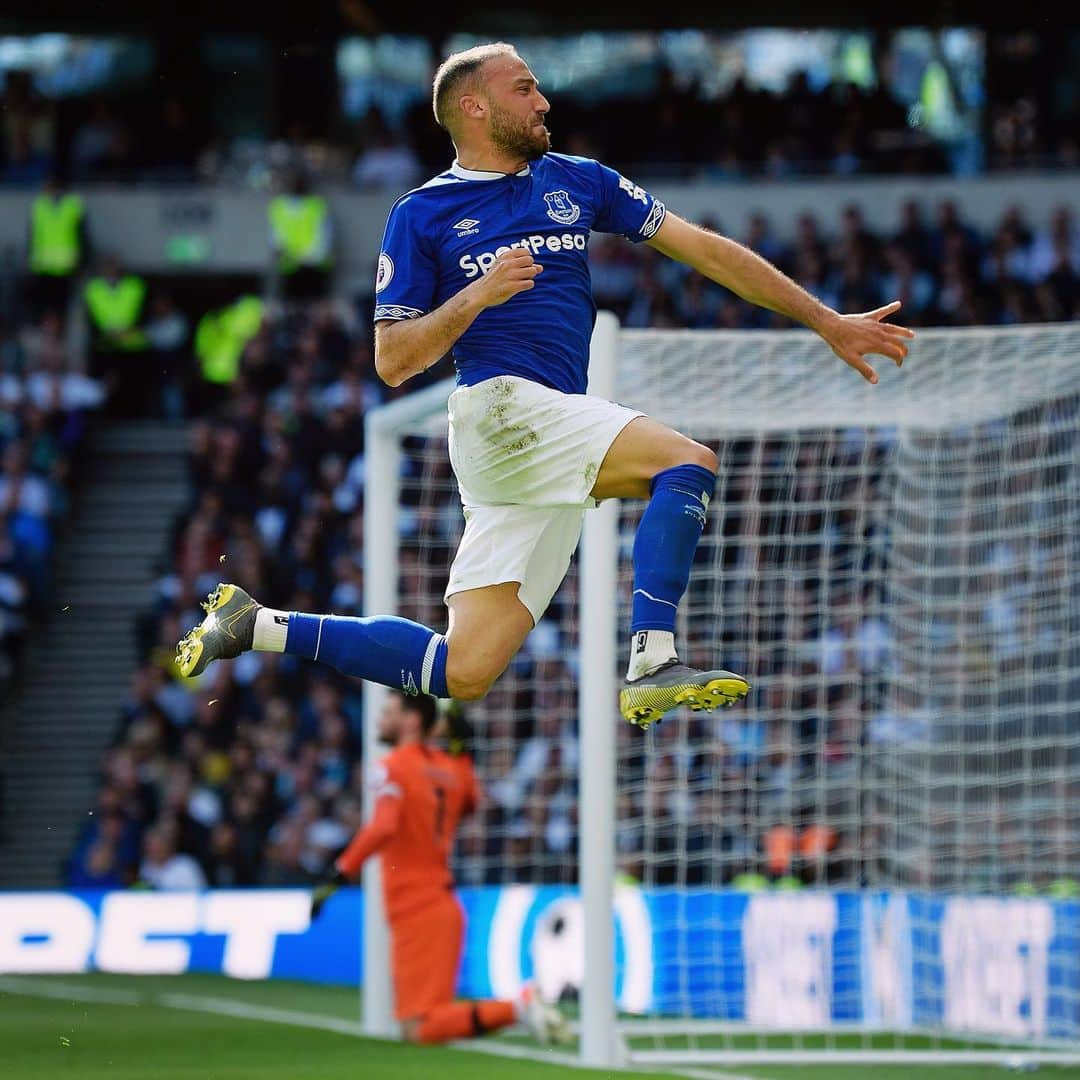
{"points": [[488, 261]]}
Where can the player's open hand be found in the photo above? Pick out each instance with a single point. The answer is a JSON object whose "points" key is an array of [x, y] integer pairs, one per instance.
{"points": [[853, 337], [514, 271]]}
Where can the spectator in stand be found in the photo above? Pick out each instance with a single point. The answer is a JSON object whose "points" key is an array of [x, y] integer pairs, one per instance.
{"points": [[100, 862], [27, 507], [1059, 290], [953, 237], [168, 336], [760, 238], [387, 163], [172, 144], [163, 868], [101, 145], [27, 131], [1059, 241]]}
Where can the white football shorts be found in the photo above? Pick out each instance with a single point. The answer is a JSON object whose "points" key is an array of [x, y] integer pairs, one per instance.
{"points": [[526, 458]]}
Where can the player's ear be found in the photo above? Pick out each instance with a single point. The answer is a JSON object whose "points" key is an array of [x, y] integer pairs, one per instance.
{"points": [[472, 106]]}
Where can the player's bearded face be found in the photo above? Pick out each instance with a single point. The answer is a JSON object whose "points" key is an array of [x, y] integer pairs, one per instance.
{"points": [[518, 136], [389, 725]]}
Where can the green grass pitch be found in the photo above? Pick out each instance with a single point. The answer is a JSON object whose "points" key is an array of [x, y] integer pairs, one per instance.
{"points": [[113, 1027]]}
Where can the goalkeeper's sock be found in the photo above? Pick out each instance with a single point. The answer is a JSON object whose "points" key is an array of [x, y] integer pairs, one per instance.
{"points": [[663, 554], [464, 1020], [383, 648]]}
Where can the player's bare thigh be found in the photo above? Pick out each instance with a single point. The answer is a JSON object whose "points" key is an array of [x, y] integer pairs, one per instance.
{"points": [[487, 628], [642, 449]]}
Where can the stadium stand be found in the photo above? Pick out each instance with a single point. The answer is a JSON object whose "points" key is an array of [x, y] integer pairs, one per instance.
{"points": [[47, 405], [848, 127], [252, 773]]}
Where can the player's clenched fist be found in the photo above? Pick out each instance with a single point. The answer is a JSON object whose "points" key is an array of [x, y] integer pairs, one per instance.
{"points": [[513, 272]]}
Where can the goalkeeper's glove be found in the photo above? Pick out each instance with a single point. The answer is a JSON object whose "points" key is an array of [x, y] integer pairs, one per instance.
{"points": [[459, 732], [325, 889]]}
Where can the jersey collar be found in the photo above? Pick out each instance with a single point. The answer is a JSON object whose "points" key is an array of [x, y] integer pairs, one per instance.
{"points": [[480, 174]]}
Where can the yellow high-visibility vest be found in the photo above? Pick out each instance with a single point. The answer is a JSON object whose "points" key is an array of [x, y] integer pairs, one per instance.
{"points": [[55, 244], [1064, 889], [750, 882], [788, 884], [115, 308], [221, 336], [298, 224]]}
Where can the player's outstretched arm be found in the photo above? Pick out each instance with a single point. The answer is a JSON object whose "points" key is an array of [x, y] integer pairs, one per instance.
{"points": [[405, 347], [851, 337], [382, 826]]}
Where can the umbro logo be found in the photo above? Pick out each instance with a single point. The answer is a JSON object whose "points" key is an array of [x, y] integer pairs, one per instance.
{"points": [[466, 227]]}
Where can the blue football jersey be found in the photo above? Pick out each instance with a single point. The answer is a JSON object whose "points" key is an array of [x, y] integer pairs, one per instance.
{"points": [[448, 233]]}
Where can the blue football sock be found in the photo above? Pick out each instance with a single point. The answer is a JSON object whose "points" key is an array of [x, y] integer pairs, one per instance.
{"points": [[385, 649], [665, 543]]}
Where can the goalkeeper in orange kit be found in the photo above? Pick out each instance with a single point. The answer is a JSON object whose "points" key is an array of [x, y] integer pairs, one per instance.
{"points": [[421, 793]]}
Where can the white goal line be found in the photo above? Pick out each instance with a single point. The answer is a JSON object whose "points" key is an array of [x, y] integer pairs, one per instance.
{"points": [[659, 1058]]}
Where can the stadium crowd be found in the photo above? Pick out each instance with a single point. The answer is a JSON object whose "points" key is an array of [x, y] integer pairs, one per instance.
{"points": [[46, 407], [250, 774], [841, 129]]}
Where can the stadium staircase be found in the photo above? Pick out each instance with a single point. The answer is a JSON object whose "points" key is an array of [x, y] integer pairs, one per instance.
{"points": [[80, 658]]}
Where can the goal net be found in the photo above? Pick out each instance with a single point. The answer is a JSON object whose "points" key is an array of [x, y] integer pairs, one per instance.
{"points": [[877, 856]]}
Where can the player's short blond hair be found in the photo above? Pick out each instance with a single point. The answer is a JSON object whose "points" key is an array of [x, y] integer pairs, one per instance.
{"points": [[454, 74]]}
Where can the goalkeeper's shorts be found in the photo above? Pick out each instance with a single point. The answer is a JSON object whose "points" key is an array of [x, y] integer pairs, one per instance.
{"points": [[526, 458]]}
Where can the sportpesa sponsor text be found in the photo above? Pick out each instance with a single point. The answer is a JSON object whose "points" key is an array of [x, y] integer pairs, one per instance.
{"points": [[482, 263]]}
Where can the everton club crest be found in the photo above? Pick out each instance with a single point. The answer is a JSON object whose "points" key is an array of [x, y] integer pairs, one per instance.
{"points": [[561, 209]]}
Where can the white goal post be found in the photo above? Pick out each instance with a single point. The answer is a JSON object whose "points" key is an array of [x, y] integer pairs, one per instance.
{"points": [[382, 467], [877, 857]]}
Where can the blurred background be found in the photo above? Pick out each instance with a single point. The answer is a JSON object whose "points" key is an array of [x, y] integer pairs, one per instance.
{"points": [[185, 376], [191, 204]]}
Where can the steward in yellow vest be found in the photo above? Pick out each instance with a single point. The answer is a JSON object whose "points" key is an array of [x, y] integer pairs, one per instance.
{"points": [[56, 246], [222, 335], [114, 304], [300, 237]]}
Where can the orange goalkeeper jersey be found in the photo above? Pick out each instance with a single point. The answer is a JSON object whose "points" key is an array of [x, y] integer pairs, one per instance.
{"points": [[421, 794]]}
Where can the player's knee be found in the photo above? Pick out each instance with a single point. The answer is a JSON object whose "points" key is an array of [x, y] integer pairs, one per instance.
{"points": [[410, 1031], [688, 452], [466, 680], [469, 690], [703, 456]]}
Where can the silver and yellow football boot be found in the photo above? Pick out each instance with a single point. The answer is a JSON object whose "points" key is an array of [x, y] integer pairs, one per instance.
{"points": [[227, 630], [645, 700]]}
